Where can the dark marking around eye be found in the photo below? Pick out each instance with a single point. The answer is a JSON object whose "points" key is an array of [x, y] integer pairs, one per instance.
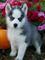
{"points": [[12, 18], [20, 19]]}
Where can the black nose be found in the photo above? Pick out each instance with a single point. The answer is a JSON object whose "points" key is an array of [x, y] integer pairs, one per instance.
{"points": [[15, 25]]}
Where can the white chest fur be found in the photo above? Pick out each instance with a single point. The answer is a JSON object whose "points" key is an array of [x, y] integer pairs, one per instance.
{"points": [[14, 35]]}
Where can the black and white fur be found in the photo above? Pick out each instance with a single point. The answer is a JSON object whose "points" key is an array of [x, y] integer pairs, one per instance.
{"points": [[20, 32]]}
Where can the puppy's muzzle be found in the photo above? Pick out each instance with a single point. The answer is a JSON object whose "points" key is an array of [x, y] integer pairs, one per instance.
{"points": [[15, 25]]}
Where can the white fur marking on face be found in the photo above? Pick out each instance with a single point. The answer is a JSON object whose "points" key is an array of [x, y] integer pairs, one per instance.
{"points": [[16, 13]]}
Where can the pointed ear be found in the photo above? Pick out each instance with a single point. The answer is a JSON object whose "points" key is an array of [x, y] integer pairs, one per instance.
{"points": [[7, 8], [25, 8]]}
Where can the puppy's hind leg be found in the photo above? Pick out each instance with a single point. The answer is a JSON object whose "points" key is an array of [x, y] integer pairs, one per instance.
{"points": [[21, 51], [13, 49], [38, 47], [37, 42]]}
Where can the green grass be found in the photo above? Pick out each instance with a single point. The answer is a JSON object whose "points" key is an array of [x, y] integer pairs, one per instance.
{"points": [[2, 21]]}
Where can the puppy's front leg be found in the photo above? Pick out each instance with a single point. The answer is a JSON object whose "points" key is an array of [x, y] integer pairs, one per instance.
{"points": [[13, 49], [21, 51]]}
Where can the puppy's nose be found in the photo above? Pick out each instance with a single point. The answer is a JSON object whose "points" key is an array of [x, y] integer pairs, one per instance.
{"points": [[15, 25]]}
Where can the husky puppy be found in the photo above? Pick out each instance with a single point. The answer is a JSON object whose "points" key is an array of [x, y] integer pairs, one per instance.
{"points": [[20, 32]]}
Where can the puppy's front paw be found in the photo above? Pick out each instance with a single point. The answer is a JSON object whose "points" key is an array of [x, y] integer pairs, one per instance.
{"points": [[38, 51], [13, 53]]}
